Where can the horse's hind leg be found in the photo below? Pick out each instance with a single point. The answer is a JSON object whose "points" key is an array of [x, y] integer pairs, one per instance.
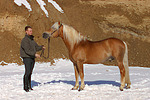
{"points": [[76, 76], [127, 78], [81, 72], [128, 86], [122, 73]]}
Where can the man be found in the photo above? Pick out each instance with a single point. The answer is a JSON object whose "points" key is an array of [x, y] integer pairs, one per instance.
{"points": [[28, 51]]}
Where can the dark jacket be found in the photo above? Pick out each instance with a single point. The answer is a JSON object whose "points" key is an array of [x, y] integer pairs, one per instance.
{"points": [[29, 47]]}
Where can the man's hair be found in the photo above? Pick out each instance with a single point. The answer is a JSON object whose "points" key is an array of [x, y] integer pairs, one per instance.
{"points": [[26, 28]]}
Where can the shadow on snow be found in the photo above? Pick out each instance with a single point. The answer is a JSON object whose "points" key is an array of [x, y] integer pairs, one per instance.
{"points": [[34, 83]]}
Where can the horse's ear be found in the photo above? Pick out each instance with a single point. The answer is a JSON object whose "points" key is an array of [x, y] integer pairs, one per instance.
{"points": [[59, 23]]}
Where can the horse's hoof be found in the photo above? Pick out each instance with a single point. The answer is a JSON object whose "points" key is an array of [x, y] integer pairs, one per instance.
{"points": [[80, 89], [128, 87], [121, 89], [74, 88]]}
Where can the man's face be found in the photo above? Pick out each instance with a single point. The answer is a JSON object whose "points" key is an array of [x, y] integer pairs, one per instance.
{"points": [[29, 31]]}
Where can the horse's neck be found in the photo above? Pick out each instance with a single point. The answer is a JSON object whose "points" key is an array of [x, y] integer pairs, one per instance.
{"points": [[68, 45], [71, 39]]}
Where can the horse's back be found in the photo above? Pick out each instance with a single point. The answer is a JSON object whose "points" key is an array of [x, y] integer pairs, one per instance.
{"points": [[105, 49], [106, 43]]}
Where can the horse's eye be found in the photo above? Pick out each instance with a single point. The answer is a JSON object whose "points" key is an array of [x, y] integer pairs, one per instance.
{"points": [[53, 28]]}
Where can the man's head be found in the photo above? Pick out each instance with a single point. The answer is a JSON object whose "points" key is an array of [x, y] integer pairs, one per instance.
{"points": [[28, 30]]}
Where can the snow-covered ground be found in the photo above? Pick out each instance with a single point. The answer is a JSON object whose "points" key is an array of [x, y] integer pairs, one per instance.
{"points": [[55, 83]]}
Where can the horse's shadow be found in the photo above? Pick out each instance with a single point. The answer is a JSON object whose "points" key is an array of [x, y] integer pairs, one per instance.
{"points": [[99, 82]]}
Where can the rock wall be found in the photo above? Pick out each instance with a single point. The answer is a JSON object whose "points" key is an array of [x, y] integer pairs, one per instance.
{"points": [[128, 20]]}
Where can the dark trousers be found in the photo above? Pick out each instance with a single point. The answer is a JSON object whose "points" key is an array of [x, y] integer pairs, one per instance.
{"points": [[29, 65]]}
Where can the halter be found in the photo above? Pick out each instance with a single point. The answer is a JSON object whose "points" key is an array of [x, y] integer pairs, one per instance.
{"points": [[45, 36], [56, 30]]}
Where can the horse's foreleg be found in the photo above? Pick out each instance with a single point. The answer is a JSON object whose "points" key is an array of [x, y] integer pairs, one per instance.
{"points": [[122, 73], [81, 72], [76, 76]]}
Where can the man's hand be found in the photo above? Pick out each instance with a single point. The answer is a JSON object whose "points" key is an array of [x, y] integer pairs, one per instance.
{"points": [[43, 48], [37, 55]]}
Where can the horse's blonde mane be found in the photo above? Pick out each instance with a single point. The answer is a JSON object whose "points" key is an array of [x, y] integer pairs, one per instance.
{"points": [[70, 34]]}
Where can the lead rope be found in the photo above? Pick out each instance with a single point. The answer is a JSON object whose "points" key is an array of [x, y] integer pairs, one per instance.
{"points": [[42, 53]]}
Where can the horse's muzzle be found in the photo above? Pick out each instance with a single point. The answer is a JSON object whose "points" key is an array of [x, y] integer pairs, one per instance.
{"points": [[46, 35]]}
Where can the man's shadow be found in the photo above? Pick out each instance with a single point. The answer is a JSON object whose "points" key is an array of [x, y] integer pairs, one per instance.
{"points": [[34, 83], [99, 82]]}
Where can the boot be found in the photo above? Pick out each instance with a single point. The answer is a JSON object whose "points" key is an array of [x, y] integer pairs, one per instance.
{"points": [[25, 81], [29, 83]]}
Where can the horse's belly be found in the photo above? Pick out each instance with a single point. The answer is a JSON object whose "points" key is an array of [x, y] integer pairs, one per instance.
{"points": [[96, 59]]}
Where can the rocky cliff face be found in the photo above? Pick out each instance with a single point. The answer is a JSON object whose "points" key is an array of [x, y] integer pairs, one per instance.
{"points": [[128, 20]]}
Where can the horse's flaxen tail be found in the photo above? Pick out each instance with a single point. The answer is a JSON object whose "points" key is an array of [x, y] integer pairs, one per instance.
{"points": [[125, 63]]}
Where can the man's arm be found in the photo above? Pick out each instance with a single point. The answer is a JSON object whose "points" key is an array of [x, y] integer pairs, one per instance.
{"points": [[38, 48]]}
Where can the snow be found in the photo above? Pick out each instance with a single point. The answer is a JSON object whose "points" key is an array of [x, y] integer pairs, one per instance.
{"points": [[3, 62], [41, 3], [56, 6], [24, 2], [55, 82]]}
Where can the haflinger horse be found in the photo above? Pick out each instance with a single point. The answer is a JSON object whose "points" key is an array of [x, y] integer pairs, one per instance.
{"points": [[82, 51]]}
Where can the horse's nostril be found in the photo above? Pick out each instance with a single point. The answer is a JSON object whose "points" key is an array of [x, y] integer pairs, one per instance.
{"points": [[45, 35]]}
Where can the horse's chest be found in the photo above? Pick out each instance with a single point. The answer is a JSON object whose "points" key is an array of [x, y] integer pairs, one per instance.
{"points": [[78, 55]]}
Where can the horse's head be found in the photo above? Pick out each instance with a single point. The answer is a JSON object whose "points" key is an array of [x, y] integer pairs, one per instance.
{"points": [[54, 31]]}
